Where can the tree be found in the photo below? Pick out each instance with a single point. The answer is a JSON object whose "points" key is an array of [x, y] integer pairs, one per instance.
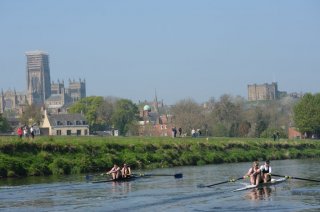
{"points": [[104, 112], [307, 114], [96, 109], [188, 114], [226, 116], [31, 115], [261, 122], [4, 124], [125, 115], [244, 128]]}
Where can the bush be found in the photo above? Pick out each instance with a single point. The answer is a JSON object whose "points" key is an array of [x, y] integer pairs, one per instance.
{"points": [[39, 169], [268, 133], [61, 166]]}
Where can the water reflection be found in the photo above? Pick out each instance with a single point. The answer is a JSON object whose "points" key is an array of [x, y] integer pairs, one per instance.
{"points": [[123, 187], [263, 193]]}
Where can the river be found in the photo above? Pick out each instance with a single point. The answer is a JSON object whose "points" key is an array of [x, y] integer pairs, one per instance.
{"points": [[165, 193]]}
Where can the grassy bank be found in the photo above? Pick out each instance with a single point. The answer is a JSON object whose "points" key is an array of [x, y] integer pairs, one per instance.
{"points": [[71, 155]]}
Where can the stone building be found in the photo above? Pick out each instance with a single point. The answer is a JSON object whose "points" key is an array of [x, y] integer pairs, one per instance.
{"points": [[76, 90], [64, 124], [62, 96], [12, 101], [263, 92], [40, 90], [38, 77]]}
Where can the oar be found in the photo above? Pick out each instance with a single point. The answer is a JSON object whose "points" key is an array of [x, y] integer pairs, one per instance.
{"points": [[297, 178], [227, 181], [179, 175]]}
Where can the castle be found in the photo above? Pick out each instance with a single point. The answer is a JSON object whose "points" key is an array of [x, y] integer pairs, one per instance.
{"points": [[40, 90], [264, 92]]}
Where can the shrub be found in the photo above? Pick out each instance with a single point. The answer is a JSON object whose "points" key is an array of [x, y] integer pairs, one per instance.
{"points": [[61, 166]]}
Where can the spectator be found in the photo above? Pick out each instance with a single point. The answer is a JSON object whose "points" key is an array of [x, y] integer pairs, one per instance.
{"points": [[32, 132], [193, 133], [278, 135], [25, 132], [274, 136], [20, 132], [180, 131], [174, 132]]}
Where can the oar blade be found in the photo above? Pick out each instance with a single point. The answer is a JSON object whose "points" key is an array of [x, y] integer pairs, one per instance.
{"points": [[178, 176], [201, 186]]}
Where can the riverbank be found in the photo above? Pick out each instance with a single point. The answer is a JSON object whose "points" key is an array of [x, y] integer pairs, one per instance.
{"points": [[74, 155]]}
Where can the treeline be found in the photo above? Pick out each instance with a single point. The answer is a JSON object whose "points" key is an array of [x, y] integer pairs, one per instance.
{"points": [[235, 117], [75, 155], [226, 117]]}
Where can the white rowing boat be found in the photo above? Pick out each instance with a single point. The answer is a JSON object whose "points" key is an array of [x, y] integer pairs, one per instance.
{"points": [[272, 182]]}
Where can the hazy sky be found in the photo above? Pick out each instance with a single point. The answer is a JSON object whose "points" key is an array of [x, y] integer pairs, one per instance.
{"points": [[182, 49]]}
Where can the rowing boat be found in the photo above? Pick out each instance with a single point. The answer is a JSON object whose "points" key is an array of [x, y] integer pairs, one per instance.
{"points": [[135, 176], [116, 180], [261, 185]]}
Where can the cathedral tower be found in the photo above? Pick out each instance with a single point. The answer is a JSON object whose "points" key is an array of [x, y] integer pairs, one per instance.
{"points": [[38, 77]]}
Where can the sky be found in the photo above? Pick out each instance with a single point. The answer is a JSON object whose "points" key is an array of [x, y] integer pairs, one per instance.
{"points": [[179, 49]]}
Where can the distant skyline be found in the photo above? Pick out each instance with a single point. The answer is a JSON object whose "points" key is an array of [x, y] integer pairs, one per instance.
{"points": [[182, 48]]}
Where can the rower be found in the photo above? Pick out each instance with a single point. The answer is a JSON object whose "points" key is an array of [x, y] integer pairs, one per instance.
{"points": [[126, 171], [115, 171], [254, 173], [266, 172]]}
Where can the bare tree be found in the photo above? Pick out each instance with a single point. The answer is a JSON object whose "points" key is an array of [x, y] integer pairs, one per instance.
{"points": [[188, 115]]}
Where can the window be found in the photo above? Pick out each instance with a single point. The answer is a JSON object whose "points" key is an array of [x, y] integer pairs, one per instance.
{"points": [[69, 123], [85, 132], [68, 132], [58, 132], [78, 132]]}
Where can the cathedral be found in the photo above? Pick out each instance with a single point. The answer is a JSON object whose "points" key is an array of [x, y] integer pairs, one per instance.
{"points": [[40, 90]]}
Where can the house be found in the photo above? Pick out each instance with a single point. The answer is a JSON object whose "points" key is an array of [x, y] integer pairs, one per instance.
{"points": [[64, 124], [154, 124], [293, 133]]}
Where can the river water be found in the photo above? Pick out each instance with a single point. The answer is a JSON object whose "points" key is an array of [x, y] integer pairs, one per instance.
{"points": [[165, 193]]}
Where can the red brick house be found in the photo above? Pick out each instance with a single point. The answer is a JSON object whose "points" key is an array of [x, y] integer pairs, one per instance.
{"points": [[293, 133], [154, 124]]}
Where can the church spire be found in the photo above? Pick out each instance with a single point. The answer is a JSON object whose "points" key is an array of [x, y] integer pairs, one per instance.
{"points": [[155, 102]]}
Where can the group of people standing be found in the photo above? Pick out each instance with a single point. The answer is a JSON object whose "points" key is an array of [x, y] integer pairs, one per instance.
{"points": [[119, 173], [175, 131], [26, 131], [259, 174], [276, 136], [195, 133]]}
